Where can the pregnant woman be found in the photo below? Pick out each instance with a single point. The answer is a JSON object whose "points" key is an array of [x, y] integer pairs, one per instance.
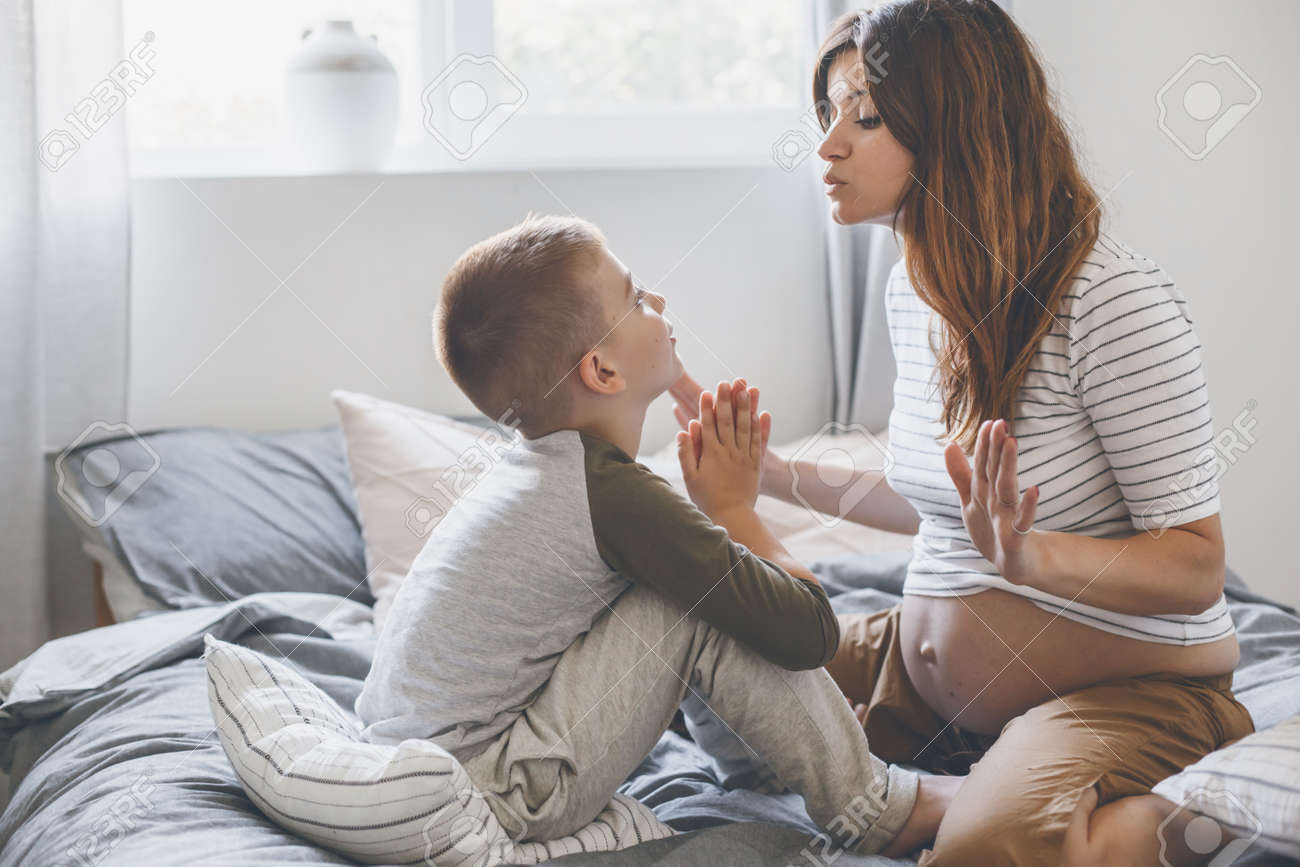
{"points": [[1063, 628]]}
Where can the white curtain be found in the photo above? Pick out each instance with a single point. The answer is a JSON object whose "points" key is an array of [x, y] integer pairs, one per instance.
{"points": [[23, 618], [63, 292], [858, 259]]}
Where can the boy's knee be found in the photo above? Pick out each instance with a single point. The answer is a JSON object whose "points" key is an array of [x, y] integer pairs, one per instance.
{"points": [[541, 800], [650, 616]]}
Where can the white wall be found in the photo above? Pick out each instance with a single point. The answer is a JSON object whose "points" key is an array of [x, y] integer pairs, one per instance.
{"points": [[752, 288], [1224, 227], [739, 252]]}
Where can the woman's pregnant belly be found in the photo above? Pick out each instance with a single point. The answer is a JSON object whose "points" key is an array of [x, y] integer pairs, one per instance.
{"points": [[957, 663]]}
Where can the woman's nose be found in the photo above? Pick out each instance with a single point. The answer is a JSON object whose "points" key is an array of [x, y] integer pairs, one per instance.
{"points": [[659, 301], [834, 146]]}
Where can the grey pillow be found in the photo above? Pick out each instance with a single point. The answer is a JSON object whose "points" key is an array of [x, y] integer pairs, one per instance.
{"points": [[198, 516]]}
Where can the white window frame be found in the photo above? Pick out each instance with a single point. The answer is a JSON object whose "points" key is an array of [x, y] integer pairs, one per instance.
{"points": [[648, 138]]}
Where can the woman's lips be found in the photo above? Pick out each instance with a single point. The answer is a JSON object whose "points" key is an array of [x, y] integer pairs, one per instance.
{"points": [[833, 184]]}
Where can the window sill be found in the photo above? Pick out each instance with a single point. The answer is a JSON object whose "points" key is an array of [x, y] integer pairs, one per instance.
{"points": [[257, 165], [613, 142]]}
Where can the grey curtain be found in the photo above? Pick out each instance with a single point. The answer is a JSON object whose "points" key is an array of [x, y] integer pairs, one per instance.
{"points": [[858, 259], [63, 293]]}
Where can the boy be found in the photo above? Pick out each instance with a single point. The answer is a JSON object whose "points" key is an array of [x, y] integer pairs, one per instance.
{"points": [[565, 606]]}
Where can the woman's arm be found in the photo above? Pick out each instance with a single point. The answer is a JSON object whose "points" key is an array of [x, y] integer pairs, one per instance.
{"points": [[799, 483], [1179, 571], [882, 507]]}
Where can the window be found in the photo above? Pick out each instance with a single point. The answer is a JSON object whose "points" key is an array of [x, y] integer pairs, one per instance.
{"points": [[219, 70], [608, 82], [591, 55]]}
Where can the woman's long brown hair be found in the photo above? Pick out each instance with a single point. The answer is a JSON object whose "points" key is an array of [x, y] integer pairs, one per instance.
{"points": [[999, 215]]}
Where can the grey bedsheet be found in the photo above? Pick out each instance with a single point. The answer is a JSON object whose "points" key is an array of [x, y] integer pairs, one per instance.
{"points": [[122, 766]]}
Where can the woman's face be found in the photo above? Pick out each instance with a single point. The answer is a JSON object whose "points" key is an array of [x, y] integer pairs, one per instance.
{"points": [[867, 169]]}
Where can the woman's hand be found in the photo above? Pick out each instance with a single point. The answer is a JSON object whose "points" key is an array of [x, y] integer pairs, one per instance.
{"points": [[997, 517], [686, 396], [721, 452]]}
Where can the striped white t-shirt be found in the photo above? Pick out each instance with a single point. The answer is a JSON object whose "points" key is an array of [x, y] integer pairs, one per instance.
{"points": [[1113, 424]]}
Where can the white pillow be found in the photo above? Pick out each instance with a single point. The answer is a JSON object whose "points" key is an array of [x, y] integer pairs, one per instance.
{"points": [[301, 760], [407, 467], [1251, 787]]}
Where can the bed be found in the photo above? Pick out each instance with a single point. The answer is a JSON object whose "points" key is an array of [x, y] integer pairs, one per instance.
{"points": [[108, 740]]}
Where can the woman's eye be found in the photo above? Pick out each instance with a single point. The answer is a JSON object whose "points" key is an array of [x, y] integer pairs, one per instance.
{"points": [[640, 298], [869, 122]]}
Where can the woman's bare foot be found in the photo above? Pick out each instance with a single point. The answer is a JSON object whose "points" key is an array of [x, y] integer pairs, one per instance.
{"points": [[1139, 830], [933, 795], [1122, 832]]}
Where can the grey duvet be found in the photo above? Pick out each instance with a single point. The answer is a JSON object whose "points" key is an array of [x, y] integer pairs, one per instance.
{"points": [[113, 759]]}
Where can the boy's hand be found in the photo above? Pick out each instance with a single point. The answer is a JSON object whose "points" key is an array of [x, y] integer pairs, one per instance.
{"points": [[686, 394], [684, 412], [722, 451]]}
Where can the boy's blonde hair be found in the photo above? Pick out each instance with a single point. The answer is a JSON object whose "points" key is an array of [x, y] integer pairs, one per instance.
{"points": [[516, 314]]}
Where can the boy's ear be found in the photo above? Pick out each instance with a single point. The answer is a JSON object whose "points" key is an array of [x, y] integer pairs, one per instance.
{"points": [[599, 373]]}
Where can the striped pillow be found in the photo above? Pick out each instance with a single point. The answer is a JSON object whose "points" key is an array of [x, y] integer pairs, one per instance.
{"points": [[302, 761], [1251, 787]]}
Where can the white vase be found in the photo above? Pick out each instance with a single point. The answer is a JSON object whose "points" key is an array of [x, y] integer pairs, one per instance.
{"points": [[340, 97]]}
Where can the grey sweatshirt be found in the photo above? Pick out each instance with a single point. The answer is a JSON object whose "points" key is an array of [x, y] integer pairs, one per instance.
{"points": [[525, 562]]}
